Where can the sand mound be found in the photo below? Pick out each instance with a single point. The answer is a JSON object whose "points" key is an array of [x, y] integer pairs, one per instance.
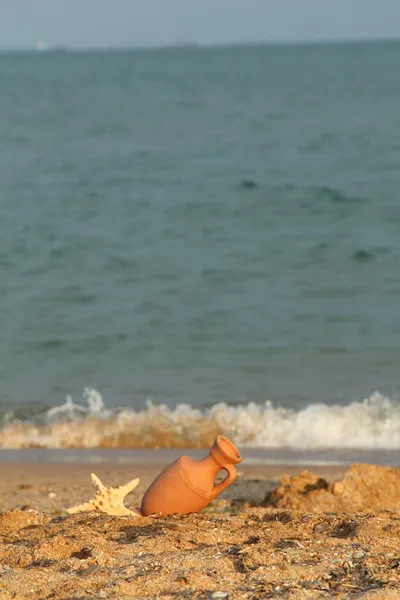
{"points": [[363, 487], [15, 520]]}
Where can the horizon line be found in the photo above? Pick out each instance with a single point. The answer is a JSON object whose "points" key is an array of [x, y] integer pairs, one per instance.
{"points": [[195, 45]]}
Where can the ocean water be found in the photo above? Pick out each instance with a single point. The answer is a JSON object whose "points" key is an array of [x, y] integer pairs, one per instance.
{"points": [[204, 240]]}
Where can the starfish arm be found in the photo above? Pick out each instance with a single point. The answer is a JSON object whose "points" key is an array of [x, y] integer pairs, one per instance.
{"points": [[96, 482], [128, 487], [119, 510], [86, 507]]}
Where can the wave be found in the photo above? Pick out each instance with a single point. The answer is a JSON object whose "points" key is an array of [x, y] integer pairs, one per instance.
{"points": [[373, 423]]}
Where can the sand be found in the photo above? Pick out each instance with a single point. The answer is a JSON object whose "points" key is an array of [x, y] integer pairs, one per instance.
{"points": [[277, 532]]}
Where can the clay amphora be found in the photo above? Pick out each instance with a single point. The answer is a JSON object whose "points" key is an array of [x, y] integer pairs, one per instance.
{"points": [[187, 485]]}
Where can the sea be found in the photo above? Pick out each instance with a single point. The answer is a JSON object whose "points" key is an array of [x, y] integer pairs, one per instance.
{"points": [[201, 240]]}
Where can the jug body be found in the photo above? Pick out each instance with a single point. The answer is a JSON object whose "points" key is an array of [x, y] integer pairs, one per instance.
{"points": [[187, 485]]}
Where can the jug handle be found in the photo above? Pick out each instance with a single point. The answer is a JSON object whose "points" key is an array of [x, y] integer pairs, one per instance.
{"points": [[230, 469]]}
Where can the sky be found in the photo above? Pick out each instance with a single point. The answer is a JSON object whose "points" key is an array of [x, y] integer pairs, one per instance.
{"points": [[121, 23]]}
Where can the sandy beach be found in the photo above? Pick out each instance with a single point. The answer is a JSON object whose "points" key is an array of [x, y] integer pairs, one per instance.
{"points": [[277, 532], [199, 237]]}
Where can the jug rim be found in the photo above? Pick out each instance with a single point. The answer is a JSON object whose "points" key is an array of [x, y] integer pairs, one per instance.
{"points": [[228, 449]]}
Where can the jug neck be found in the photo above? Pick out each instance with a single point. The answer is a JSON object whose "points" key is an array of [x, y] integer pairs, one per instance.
{"points": [[212, 464]]}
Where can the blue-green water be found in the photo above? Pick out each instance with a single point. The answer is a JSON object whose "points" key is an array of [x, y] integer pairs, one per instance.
{"points": [[201, 226]]}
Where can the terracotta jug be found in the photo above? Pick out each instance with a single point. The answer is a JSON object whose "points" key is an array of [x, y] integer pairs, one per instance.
{"points": [[187, 485]]}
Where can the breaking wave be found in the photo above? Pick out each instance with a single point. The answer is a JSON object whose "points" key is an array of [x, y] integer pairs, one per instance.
{"points": [[373, 423]]}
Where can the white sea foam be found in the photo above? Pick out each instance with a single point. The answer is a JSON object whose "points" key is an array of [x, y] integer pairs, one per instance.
{"points": [[70, 411], [373, 423]]}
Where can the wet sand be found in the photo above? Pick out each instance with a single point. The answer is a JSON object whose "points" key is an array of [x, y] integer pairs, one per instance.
{"points": [[272, 534]]}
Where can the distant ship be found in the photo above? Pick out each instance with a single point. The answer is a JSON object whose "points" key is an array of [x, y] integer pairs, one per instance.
{"points": [[182, 44], [42, 46]]}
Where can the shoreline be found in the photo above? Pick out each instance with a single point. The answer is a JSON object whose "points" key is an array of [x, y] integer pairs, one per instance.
{"points": [[267, 457]]}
